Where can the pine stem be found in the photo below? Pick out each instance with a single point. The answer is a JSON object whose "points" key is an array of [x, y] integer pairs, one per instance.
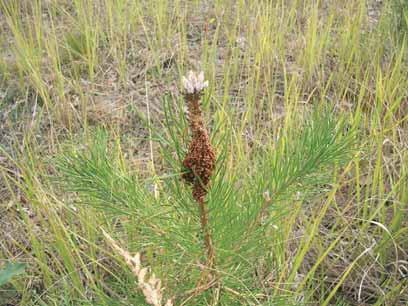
{"points": [[207, 234]]}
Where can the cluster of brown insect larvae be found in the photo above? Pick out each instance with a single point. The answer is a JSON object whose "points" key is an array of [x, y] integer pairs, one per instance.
{"points": [[200, 159]]}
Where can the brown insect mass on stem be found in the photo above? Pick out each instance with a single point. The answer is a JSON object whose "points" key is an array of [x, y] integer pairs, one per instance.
{"points": [[200, 159]]}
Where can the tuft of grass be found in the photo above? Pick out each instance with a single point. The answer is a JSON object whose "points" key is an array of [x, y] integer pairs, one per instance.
{"points": [[400, 17]]}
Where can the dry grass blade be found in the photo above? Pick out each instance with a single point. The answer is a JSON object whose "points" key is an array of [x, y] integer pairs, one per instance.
{"points": [[148, 282]]}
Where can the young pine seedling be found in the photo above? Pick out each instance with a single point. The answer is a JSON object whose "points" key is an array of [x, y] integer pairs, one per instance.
{"points": [[204, 243]]}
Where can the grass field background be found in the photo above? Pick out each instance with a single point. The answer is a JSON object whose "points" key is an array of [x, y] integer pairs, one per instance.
{"points": [[307, 108]]}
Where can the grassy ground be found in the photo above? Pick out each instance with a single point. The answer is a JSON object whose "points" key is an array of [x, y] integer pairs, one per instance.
{"points": [[69, 69]]}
